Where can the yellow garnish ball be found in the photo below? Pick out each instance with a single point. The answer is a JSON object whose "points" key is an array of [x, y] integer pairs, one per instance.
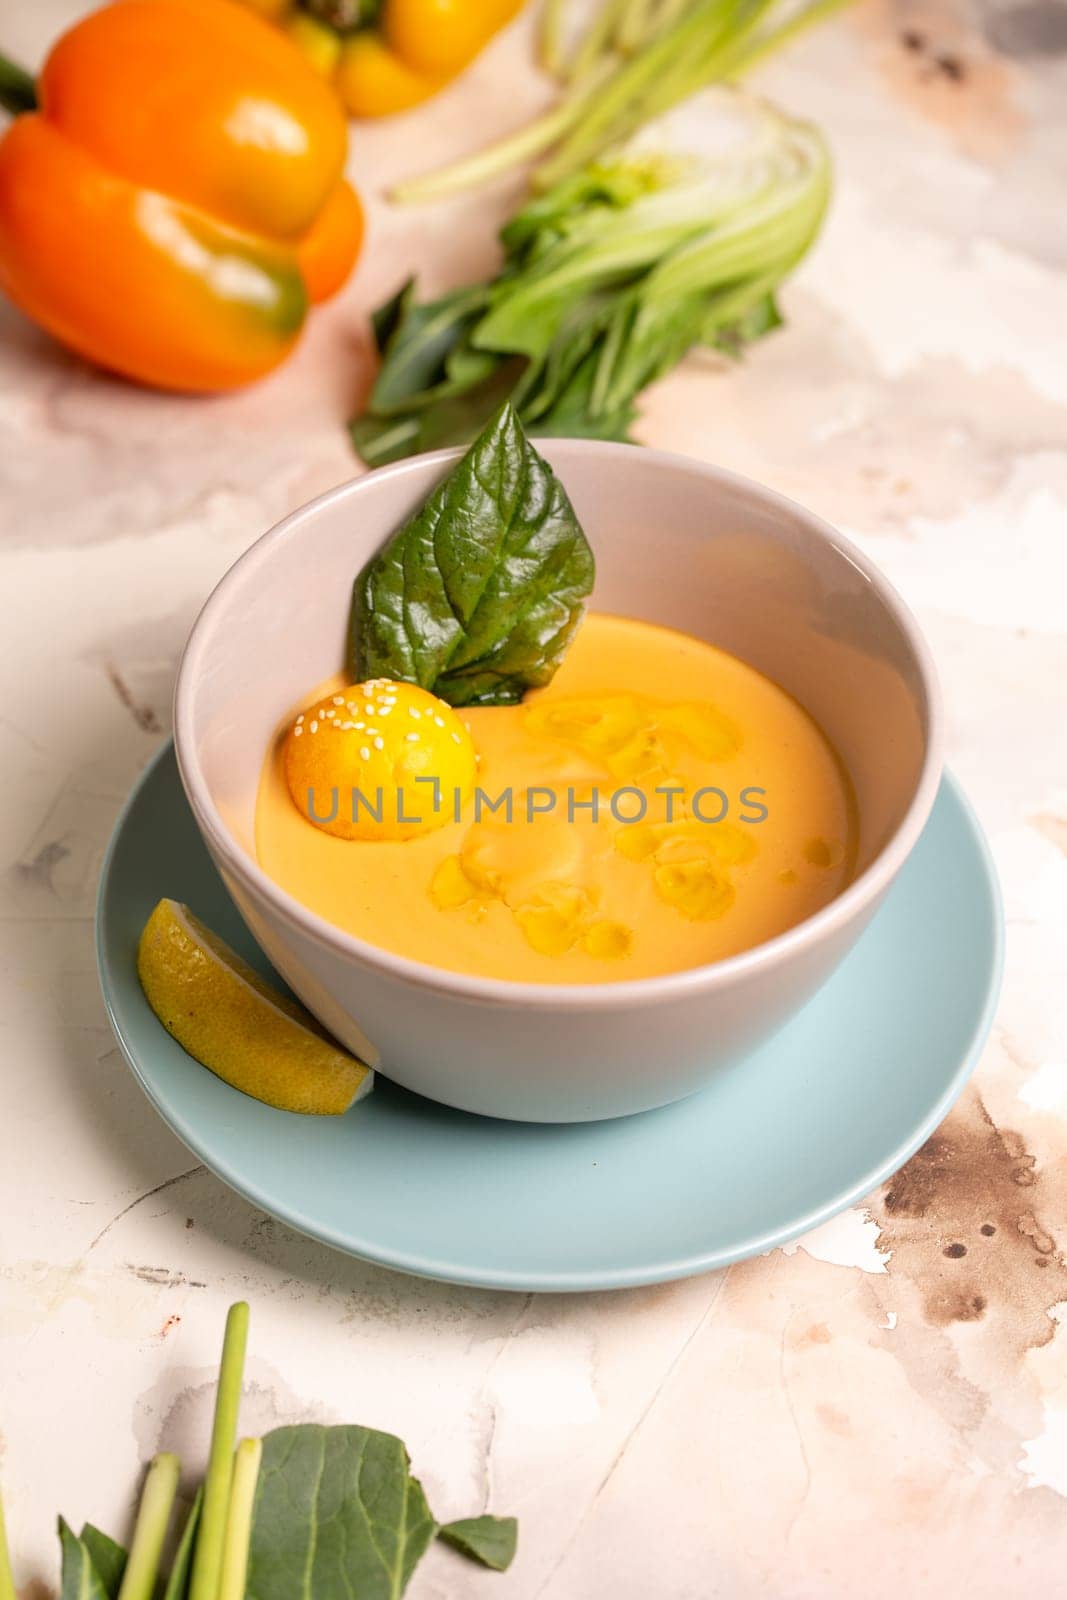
{"points": [[381, 760]]}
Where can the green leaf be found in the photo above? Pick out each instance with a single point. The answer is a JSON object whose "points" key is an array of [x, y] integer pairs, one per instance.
{"points": [[478, 595], [107, 1557], [389, 315], [490, 1540], [178, 1582], [454, 416], [419, 341], [80, 1580], [337, 1516]]}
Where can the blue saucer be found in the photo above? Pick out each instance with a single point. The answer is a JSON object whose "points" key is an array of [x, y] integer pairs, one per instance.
{"points": [[809, 1124]]}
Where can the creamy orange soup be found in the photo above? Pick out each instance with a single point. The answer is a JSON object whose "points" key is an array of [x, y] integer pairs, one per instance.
{"points": [[723, 817]]}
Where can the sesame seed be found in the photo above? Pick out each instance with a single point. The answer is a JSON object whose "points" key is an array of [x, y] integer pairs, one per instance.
{"points": [[300, 718], [379, 743], [412, 738], [338, 699], [457, 738], [440, 721], [314, 727], [297, 731], [364, 752], [413, 712], [361, 727], [383, 711], [368, 690]]}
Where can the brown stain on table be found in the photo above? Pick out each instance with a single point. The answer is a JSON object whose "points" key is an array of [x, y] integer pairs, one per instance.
{"points": [[964, 1220], [933, 56]]}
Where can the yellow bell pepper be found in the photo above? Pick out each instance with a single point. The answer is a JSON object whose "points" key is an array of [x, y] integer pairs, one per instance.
{"points": [[176, 201], [386, 55]]}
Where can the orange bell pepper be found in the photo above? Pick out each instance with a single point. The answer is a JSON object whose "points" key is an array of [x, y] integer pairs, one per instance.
{"points": [[177, 200]]}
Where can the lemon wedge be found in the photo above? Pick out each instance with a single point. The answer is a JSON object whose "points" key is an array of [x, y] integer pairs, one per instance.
{"points": [[230, 1020]]}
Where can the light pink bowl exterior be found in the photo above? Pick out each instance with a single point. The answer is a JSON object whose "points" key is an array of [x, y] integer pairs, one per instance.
{"points": [[677, 542]]}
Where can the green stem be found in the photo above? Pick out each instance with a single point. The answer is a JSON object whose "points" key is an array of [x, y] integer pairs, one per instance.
{"points": [[239, 1520], [207, 1560], [668, 13], [637, 25], [551, 37], [495, 159], [7, 1580], [596, 42], [748, 54], [699, 30], [17, 89], [153, 1516]]}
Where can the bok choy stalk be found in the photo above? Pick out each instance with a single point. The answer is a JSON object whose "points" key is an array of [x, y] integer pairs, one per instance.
{"points": [[636, 60], [608, 280]]}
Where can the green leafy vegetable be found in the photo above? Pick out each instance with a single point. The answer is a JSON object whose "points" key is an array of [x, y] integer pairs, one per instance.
{"points": [[337, 1514], [107, 1557], [178, 1582], [478, 595], [309, 1513], [490, 1540], [80, 1580], [609, 279]]}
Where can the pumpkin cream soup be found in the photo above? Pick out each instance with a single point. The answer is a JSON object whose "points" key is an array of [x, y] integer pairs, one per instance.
{"points": [[658, 806]]}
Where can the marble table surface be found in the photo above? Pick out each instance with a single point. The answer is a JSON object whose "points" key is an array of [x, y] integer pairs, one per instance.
{"points": [[861, 1413]]}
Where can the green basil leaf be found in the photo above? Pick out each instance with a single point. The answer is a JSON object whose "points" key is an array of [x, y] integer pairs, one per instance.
{"points": [[178, 1582], [80, 1580], [337, 1515], [490, 1540], [478, 595], [107, 1557]]}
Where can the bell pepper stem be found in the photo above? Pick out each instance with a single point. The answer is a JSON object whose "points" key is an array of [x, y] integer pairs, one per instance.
{"points": [[18, 92]]}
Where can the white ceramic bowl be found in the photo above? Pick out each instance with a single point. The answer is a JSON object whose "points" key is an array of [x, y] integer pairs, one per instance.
{"points": [[676, 542]]}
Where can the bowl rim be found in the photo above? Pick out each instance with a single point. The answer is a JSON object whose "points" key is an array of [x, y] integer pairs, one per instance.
{"points": [[611, 994]]}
